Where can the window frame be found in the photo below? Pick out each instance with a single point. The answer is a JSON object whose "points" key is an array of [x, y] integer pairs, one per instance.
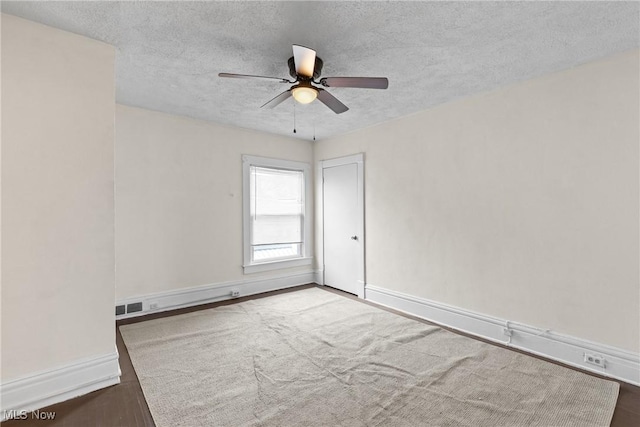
{"points": [[249, 266]]}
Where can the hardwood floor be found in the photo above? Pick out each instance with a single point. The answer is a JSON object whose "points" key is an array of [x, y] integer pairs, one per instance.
{"points": [[124, 404]]}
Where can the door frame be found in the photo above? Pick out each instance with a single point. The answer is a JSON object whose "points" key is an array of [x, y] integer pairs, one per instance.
{"points": [[358, 160]]}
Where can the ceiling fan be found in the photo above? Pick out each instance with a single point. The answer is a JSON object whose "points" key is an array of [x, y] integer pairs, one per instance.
{"points": [[305, 67]]}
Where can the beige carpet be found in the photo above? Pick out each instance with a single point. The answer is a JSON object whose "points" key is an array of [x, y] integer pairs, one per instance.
{"points": [[314, 358]]}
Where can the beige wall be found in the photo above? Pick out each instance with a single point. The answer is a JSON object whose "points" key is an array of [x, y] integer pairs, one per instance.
{"points": [[520, 203], [179, 199], [57, 198]]}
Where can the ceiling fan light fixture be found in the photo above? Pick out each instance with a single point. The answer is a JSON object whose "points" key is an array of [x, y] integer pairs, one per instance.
{"points": [[304, 94], [305, 67]]}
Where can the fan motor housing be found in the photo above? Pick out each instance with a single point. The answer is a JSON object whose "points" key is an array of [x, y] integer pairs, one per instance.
{"points": [[317, 70]]}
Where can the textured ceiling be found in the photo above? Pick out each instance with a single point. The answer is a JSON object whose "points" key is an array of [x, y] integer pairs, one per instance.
{"points": [[169, 53]]}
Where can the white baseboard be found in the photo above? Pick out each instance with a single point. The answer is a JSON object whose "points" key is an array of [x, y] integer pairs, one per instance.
{"points": [[214, 292], [318, 277], [57, 385], [619, 364]]}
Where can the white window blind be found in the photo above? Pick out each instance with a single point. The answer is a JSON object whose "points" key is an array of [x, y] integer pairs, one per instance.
{"points": [[276, 213]]}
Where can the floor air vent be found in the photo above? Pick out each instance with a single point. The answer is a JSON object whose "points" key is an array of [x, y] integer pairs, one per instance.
{"points": [[133, 307]]}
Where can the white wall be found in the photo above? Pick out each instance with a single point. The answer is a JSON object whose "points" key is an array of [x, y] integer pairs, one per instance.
{"points": [[179, 200], [57, 198], [520, 203]]}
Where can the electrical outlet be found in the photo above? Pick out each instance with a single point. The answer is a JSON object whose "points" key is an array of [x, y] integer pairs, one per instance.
{"points": [[235, 293], [153, 306], [594, 359]]}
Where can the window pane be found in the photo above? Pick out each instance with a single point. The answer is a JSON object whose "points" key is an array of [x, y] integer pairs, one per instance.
{"points": [[268, 252], [276, 206]]}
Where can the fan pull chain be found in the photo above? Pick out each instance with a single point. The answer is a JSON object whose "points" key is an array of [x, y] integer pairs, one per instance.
{"points": [[314, 129], [294, 117]]}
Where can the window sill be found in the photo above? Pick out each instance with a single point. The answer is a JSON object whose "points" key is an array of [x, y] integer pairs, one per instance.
{"points": [[275, 265]]}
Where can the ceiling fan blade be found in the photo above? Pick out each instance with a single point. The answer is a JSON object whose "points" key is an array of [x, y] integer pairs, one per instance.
{"points": [[331, 101], [363, 82], [305, 60], [278, 99], [247, 76]]}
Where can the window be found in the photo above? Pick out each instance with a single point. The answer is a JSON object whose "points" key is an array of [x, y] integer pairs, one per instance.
{"points": [[276, 214]]}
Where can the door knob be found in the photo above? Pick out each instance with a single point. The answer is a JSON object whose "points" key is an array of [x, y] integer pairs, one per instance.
{"points": [[354, 237]]}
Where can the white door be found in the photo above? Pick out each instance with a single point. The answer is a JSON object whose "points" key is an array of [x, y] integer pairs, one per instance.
{"points": [[342, 242]]}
